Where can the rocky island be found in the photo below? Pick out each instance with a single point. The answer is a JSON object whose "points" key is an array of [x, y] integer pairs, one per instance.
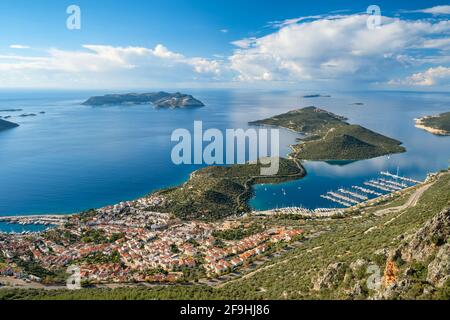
{"points": [[158, 99], [438, 125], [330, 137], [4, 125]]}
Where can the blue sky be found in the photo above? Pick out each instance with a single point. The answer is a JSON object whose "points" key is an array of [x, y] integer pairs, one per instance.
{"points": [[224, 43]]}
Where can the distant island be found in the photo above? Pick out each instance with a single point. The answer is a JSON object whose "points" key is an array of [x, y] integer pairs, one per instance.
{"points": [[4, 125], [316, 96], [158, 99], [438, 125], [330, 137], [11, 110]]}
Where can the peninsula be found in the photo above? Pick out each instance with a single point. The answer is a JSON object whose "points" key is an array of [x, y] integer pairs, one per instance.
{"points": [[330, 137], [4, 125], [158, 99], [438, 125], [217, 192]]}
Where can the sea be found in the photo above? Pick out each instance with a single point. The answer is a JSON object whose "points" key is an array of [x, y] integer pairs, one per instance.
{"points": [[70, 157]]}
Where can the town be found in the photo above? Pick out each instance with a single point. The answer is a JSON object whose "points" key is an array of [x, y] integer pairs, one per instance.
{"points": [[125, 243]]}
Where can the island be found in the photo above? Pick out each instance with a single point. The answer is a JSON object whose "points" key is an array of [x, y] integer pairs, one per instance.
{"points": [[310, 96], [438, 125], [11, 110], [158, 99], [4, 125], [330, 137]]}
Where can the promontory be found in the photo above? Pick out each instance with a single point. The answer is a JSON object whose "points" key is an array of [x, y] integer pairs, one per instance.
{"points": [[438, 125]]}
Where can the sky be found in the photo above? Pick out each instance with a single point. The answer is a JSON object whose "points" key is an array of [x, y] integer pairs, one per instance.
{"points": [[225, 44]]}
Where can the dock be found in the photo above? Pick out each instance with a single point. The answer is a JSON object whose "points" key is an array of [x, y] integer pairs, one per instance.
{"points": [[354, 194], [388, 174], [367, 191]]}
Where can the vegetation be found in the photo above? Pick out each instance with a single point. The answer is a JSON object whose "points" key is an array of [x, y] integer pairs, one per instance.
{"points": [[238, 233], [329, 137], [216, 192], [341, 243], [101, 258], [440, 122], [159, 99]]}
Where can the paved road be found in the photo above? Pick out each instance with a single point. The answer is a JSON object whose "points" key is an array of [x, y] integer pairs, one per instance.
{"points": [[412, 202]]}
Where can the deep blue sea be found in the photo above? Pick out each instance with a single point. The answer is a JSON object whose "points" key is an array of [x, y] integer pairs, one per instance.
{"points": [[76, 157]]}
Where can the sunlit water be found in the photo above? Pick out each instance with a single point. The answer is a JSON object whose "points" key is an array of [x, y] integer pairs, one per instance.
{"points": [[76, 157]]}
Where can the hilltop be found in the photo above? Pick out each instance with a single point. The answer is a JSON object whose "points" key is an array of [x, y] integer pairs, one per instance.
{"points": [[219, 191], [438, 125], [158, 99], [329, 137], [4, 125]]}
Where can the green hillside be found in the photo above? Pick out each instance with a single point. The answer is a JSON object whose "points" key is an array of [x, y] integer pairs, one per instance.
{"points": [[406, 242], [216, 192], [441, 122], [329, 137]]}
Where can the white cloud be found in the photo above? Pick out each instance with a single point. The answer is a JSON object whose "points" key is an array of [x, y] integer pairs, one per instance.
{"points": [[437, 10], [333, 49], [103, 64], [224, 30], [162, 52], [336, 48], [18, 46], [431, 77]]}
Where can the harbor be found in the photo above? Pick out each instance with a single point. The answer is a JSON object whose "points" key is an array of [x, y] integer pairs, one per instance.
{"points": [[30, 224], [384, 185]]}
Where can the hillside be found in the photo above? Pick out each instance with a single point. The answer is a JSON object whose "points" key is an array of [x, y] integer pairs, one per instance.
{"points": [[330, 137], [399, 250], [159, 99], [4, 125], [216, 192], [439, 125]]}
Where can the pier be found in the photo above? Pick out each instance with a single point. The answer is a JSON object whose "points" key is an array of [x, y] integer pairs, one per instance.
{"points": [[46, 220], [388, 174], [401, 185], [354, 194], [343, 198], [377, 186], [343, 203], [391, 188], [367, 191]]}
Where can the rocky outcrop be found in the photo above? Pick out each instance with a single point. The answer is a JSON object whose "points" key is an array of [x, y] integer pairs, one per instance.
{"points": [[330, 277], [439, 268], [426, 252], [426, 240]]}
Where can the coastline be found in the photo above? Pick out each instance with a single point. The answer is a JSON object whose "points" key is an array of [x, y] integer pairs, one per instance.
{"points": [[420, 125]]}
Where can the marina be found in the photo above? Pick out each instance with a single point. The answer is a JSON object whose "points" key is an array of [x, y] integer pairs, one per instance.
{"points": [[348, 198]]}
